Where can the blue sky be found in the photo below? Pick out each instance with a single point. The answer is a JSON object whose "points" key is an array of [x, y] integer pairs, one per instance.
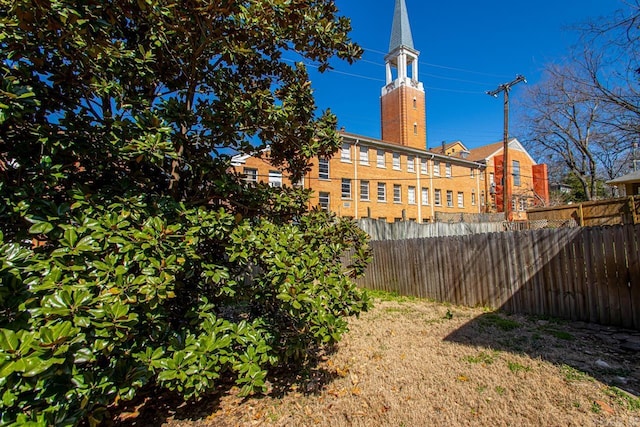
{"points": [[466, 48]]}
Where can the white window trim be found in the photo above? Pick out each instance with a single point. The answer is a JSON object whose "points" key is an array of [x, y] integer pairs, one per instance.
{"points": [[382, 186], [397, 193], [365, 184], [364, 160], [345, 153], [342, 186], [409, 198], [397, 166], [381, 164], [411, 164]]}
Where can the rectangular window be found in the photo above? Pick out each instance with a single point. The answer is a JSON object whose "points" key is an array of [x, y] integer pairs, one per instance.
{"points": [[411, 195], [345, 153], [324, 200], [460, 199], [425, 196], [516, 173], [447, 169], [396, 161], [323, 168], [380, 160], [364, 190], [382, 192], [449, 198], [472, 173], [523, 204], [275, 178], [437, 197], [513, 203], [436, 168], [346, 188], [397, 193], [411, 161], [424, 168], [482, 198], [364, 155], [298, 184], [250, 175], [492, 178], [473, 197]]}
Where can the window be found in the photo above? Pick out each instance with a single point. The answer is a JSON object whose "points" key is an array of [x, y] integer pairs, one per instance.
{"points": [[437, 197], [523, 204], [516, 173], [460, 199], [396, 161], [381, 161], [250, 175], [473, 197], [364, 190], [324, 201], [482, 198], [425, 196], [492, 178], [415, 128], [447, 170], [449, 198], [364, 155], [411, 195], [424, 168], [472, 173], [382, 192], [397, 193], [513, 203], [436, 168], [298, 184], [415, 103], [323, 168], [411, 162], [346, 188], [275, 178], [345, 154]]}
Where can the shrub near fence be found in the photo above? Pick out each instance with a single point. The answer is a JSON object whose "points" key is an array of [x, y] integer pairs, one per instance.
{"points": [[586, 274]]}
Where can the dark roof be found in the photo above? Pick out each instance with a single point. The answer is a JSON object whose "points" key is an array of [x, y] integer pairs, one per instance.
{"points": [[400, 30]]}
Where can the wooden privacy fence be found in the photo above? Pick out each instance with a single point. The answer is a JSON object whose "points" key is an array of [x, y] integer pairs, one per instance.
{"points": [[382, 230], [588, 274], [624, 210]]}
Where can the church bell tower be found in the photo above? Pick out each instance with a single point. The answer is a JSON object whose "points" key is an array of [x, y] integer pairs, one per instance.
{"points": [[403, 106]]}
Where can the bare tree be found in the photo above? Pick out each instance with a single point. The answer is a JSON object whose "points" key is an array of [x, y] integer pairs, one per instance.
{"points": [[563, 125], [585, 114]]}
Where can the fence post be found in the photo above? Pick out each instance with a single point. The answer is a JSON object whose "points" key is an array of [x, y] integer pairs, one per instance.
{"points": [[632, 210], [581, 216]]}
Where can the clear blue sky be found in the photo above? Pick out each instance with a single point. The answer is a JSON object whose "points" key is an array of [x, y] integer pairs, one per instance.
{"points": [[466, 48]]}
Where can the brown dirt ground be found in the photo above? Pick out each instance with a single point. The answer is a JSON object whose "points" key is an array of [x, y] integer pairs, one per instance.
{"points": [[411, 362]]}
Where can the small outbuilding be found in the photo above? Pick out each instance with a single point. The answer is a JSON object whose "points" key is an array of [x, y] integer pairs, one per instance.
{"points": [[630, 182]]}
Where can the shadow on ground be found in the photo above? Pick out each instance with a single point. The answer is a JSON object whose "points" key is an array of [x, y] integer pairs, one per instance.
{"points": [[156, 408], [608, 354]]}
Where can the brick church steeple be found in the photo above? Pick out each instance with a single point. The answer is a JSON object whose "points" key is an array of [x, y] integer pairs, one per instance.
{"points": [[403, 106]]}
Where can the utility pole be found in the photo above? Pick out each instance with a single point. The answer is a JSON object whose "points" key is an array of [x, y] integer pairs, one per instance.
{"points": [[506, 179]]}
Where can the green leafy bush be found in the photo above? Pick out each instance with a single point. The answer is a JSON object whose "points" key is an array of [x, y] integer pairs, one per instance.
{"points": [[131, 257]]}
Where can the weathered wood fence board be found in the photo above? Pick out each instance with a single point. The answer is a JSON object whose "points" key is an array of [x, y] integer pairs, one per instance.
{"points": [[623, 210], [590, 274]]}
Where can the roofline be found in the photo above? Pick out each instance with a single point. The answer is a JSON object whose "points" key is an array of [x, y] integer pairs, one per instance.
{"points": [[395, 147]]}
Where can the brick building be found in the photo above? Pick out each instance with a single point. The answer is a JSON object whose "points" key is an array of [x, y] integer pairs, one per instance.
{"points": [[396, 178]]}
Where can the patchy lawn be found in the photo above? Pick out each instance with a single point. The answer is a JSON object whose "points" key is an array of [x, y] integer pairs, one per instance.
{"points": [[411, 362]]}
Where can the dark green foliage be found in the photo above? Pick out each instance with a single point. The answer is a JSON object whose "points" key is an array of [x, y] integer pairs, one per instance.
{"points": [[130, 257]]}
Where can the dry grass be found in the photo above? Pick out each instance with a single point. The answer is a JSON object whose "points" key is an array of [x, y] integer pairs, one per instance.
{"points": [[413, 363]]}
